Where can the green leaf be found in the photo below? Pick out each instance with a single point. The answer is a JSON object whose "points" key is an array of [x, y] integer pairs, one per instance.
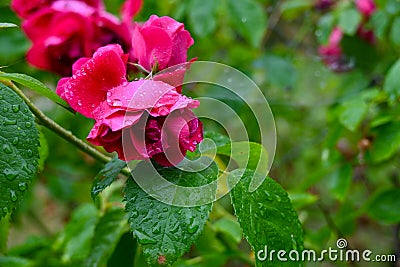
{"points": [[392, 80], [230, 228], [106, 176], [107, 233], [386, 142], [19, 141], [7, 25], [36, 86], [43, 150], [395, 31], [75, 240], [380, 22], [4, 230], [340, 180], [293, 8], [352, 113], [248, 155], [280, 71], [267, 218], [250, 19], [349, 19], [166, 232], [8, 261], [384, 206], [202, 16]]}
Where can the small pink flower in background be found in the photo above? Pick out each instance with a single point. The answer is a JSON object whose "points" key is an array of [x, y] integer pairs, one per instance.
{"points": [[332, 54], [366, 7], [366, 34], [323, 5], [139, 120], [66, 30], [161, 42]]}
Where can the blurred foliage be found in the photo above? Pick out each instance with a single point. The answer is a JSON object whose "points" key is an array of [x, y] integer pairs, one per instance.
{"points": [[338, 134]]}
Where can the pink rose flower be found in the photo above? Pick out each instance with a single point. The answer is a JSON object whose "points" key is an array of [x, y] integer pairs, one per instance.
{"points": [[161, 42], [366, 7], [139, 120], [68, 30], [331, 53], [147, 119], [25, 8]]}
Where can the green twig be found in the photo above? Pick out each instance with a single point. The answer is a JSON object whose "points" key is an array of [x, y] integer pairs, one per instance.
{"points": [[52, 125]]}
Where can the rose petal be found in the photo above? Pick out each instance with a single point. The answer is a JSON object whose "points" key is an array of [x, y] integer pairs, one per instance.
{"points": [[87, 88]]}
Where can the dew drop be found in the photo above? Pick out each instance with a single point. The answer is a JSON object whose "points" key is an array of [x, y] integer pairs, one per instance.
{"points": [[135, 214], [10, 122], [5, 210], [15, 141], [10, 174], [80, 103], [165, 209], [5, 109], [192, 227], [278, 198], [144, 239], [13, 196], [116, 103], [30, 153], [15, 108], [244, 19], [7, 149], [156, 229], [22, 186], [28, 124], [269, 197]]}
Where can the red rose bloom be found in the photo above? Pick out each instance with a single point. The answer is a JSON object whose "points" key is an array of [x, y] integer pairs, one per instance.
{"points": [[139, 120], [68, 30], [161, 42]]}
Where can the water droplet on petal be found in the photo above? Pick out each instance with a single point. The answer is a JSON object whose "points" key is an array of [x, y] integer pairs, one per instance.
{"points": [[80, 103]]}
